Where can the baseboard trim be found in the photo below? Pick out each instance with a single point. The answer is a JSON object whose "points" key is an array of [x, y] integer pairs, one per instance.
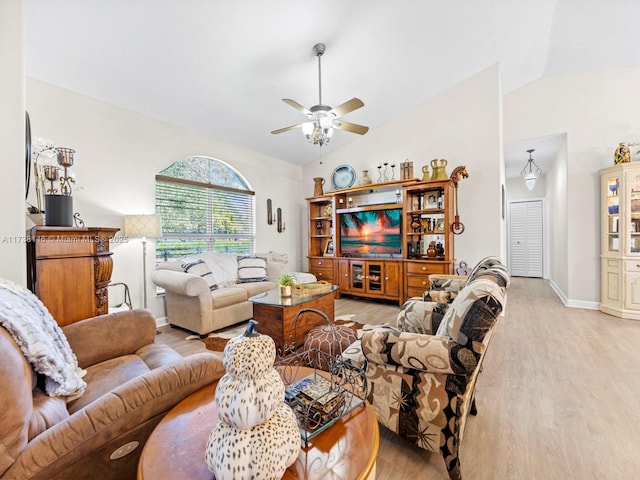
{"points": [[161, 322], [573, 303]]}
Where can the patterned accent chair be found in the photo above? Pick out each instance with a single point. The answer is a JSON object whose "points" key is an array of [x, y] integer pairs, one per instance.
{"points": [[443, 289], [421, 384]]}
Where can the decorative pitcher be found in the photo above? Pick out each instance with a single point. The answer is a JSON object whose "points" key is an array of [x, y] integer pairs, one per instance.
{"points": [[439, 172], [317, 188], [425, 173], [366, 179]]}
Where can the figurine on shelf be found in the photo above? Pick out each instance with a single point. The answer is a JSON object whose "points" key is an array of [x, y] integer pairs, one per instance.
{"points": [[415, 223]]}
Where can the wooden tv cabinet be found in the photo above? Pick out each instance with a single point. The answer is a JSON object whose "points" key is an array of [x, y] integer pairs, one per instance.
{"points": [[428, 209]]}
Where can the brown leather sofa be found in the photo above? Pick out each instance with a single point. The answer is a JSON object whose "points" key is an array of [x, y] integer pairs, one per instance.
{"points": [[132, 383]]}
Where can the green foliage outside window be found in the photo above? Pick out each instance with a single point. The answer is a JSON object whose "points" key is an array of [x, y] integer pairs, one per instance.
{"points": [[205, 206]]}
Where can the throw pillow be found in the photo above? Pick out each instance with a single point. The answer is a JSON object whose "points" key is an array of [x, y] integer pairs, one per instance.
{"points": [[201, 269], [252, 269], [473, 312]]}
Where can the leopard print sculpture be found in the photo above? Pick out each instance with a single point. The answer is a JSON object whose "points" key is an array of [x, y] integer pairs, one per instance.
{"points": [[257, 434]]}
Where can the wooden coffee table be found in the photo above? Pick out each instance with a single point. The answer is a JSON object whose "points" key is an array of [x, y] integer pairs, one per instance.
{"points": [[275, 314], [176, 448]]}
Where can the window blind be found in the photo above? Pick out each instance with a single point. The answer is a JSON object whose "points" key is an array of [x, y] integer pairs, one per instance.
{"points": [[198, 217]]}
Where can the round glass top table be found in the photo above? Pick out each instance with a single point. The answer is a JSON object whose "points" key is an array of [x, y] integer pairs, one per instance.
{"points": [[175, 449]]}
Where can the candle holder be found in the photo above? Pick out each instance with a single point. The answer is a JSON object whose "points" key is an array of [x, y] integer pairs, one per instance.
{"points": [[51, 174], [350, 202], [65, 160]]}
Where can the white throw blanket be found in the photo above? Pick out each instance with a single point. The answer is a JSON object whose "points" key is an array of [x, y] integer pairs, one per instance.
{"points": [[41, 340]]}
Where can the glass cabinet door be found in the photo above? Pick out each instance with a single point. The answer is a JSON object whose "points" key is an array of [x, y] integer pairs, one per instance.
{"points": [[357, 276], [613, 213], [374, 277], [632, 214]]}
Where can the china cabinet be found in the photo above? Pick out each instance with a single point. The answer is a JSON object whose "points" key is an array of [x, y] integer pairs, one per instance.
{"points": [[620, 240]]}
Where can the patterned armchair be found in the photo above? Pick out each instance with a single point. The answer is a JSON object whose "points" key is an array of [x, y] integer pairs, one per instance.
{"points": [[423, 315], [421, 385]]}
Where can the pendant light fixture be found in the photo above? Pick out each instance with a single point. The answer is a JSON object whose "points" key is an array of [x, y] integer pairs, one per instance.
{"points": [[531, 171]]}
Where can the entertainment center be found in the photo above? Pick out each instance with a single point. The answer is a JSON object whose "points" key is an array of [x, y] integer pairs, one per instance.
{"points": [[382, 240]]}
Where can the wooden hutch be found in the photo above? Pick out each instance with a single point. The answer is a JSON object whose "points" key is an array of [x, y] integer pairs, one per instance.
{"points": [[395, 266]]}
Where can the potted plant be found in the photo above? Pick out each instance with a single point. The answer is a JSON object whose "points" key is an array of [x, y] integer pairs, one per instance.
{"points": [[285, 282], [35, 214]]}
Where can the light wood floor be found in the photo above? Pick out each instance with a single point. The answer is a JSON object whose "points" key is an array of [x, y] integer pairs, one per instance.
{"points": [[559, 396]]}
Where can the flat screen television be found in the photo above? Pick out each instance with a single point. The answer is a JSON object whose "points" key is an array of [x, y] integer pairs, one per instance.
{"points": [[371, 233]]}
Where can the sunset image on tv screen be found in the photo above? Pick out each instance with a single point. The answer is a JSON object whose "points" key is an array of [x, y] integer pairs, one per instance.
{"points": [[374, 232]]}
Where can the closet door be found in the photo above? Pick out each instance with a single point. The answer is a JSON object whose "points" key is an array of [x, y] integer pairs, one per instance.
{"points": [[525, 238]]}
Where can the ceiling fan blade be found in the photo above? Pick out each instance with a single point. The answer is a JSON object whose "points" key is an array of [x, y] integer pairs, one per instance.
{"points": [[351, 127], [346, 107], [296, 105], [285, 129]]}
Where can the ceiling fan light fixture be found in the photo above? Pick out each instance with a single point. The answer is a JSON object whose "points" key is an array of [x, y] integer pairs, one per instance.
{"points": [[322, 118], [531, 171]]}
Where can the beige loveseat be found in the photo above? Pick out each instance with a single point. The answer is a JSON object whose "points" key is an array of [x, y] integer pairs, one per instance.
{"points": [[131, 383], [214, 295]]}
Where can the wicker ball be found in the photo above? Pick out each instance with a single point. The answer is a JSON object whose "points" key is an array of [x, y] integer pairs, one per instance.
{"points": [[330, 340]]}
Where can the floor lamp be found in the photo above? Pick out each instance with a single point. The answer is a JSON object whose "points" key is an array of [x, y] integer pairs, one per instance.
{"points": [[143, 226]]}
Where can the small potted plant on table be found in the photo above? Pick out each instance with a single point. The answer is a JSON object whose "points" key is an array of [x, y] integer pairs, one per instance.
{"points": [[285, 282]]}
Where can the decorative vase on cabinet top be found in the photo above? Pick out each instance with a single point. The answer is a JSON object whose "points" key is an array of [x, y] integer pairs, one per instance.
{"points": [[366, 179], [317, 188], [425, 173], [622, 154], [439, 169]]}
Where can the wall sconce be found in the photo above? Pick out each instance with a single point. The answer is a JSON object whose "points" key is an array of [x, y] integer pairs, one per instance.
{"points": [[269, 212], [280, 223]]}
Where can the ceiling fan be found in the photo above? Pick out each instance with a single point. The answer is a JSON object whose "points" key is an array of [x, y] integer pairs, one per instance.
{"points": [[323, 119]]}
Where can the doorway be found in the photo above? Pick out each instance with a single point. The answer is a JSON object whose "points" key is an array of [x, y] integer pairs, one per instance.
{"points": [[526, 234]]}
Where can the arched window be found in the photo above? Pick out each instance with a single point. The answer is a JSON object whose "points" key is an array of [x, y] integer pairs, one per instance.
{"points": [[205, 205]]}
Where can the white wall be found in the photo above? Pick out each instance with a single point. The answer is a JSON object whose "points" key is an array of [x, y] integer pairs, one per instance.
{"points": [[557, 209], [597, 110], [118, 154], [461, 125], [12, 134]]}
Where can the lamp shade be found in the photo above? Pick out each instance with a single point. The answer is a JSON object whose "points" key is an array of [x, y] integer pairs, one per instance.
{"points": [[142, 226], [530, 181]]}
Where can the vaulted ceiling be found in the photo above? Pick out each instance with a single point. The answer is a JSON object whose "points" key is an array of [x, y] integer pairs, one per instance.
{"points": [[222, 68]]}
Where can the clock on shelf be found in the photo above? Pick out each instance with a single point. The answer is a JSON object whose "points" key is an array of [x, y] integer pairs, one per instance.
{"points": [[343, 176]]}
